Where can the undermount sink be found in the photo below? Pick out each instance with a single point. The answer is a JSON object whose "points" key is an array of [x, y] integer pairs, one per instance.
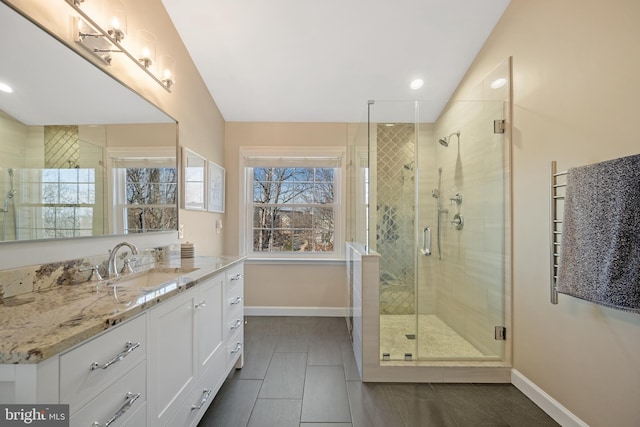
{"points": [[150, 279]]}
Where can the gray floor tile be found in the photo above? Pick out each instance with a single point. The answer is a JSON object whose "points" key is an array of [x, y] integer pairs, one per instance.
{"points": [[371, 407], [325, 351], [275, 413], [285, 376], [325, 395], [284, 355], [233, 404], [257, 356], [292, 344], [349, 362], [325, 425]]}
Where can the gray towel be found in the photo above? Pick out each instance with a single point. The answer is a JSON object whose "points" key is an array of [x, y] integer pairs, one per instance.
{"points": [[600, 247]]}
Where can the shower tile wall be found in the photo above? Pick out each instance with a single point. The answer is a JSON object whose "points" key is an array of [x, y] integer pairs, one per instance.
{"points": [[395, 209], [469, 280], [61, 147]]}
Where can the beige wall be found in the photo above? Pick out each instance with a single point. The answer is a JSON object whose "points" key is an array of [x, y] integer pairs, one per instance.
{"points": [[576, 100], [201, 126], [286, 285]]}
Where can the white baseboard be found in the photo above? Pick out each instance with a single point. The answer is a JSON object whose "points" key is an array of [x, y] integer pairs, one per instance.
{"points": [[548, 404], [297, 311]]}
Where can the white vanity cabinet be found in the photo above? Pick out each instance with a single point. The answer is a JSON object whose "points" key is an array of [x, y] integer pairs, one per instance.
{"points": [[162, 367], [190, 349]]}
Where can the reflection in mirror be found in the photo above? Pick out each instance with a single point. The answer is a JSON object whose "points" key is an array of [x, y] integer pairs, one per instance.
{"points": [[194, 180], [77, 162]]}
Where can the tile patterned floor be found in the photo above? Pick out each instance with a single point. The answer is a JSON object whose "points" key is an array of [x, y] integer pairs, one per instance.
{"points": [[300, 372], [435, 340]]}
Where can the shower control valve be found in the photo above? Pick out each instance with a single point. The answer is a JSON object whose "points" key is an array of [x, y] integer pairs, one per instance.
{"points": [[458, 221], [457, 199]]}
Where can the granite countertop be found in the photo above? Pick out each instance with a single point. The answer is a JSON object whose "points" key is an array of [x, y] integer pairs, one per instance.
{"points": [[49, 322]]}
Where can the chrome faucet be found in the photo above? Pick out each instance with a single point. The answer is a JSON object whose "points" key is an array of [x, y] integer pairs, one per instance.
{"points": [[112, 269]]}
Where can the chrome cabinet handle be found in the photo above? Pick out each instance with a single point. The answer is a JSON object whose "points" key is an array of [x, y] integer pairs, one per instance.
{"points": [[201, 304], [128, 348], [236, 300], [426, 241], [237, 349], [130, 399], [205, 395], [237, 324], [236, 277]]}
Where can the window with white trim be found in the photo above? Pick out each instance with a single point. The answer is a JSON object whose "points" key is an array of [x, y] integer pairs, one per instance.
{"points": [[145, 193], [294, 205]]}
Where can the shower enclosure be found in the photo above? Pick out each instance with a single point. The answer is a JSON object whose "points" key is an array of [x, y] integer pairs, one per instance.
{"points": [[437, 206]]}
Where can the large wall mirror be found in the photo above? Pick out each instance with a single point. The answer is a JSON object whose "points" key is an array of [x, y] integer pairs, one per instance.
{"points": [[80, 154]]}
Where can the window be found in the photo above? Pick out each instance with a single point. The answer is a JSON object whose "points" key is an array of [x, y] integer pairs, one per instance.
{"points": [[57, 203], [145, 194], [294, 206]]}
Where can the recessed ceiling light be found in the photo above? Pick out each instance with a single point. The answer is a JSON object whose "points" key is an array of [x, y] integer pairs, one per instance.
{"points": [[416, 84], [498, 83], [5, 88]]}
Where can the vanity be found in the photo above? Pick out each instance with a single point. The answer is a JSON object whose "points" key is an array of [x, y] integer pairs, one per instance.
{"points": [[149, 349]]}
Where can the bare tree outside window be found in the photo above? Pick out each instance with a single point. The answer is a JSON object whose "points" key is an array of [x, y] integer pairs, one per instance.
{"points": [[151, 199], [293, 209]]}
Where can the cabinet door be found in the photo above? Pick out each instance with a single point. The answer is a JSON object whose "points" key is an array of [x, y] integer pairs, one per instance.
{"points": [[210, 321], [172, 357]]}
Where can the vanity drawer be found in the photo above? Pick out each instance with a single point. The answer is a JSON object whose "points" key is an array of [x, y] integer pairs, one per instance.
{"points": [[88, 369], [127, 396], [235, 348], [234, 277]]}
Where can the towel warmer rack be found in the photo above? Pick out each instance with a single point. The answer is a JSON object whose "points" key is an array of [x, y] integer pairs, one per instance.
{"points": [[558, 187]]}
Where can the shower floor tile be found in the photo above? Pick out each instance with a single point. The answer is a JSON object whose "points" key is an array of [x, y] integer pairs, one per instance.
{"points": [[434, 338]]}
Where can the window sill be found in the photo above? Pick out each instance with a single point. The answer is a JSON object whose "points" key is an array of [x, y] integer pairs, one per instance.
{"points": [[284, 261]]}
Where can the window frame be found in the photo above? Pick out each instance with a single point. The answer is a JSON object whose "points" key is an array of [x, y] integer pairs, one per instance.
{"points": [[116, 191], [245, 233]]}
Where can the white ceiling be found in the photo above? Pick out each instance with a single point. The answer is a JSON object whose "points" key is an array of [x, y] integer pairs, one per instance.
{"points": [[321, 61]]}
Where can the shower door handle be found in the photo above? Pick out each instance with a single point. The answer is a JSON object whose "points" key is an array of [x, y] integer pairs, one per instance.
{"points": [[426, 241]]}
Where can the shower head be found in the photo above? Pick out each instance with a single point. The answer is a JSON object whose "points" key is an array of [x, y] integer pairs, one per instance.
{"points": [[444, 141]]}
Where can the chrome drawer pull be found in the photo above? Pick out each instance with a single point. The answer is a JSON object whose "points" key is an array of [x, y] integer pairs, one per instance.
{"points": [[205, 395], [237, 324], [128, 348], [201, 304], [130, 399], [236, 300], [236, 277], [237, 349]]}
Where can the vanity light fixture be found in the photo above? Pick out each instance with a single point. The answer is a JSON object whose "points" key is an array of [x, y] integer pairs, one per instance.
{"points": [[103, 41], [146, 48], [117, 20], [167, 66]]}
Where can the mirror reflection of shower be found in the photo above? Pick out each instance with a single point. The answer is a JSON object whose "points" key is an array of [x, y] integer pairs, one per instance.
{"points": [[9, 207], [444, 141]]}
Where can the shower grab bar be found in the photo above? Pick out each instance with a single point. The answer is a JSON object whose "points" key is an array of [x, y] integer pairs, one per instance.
{"points": [[426, 241], [555, 226]]}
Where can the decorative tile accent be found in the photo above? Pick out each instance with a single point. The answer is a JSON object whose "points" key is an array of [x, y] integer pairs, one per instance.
{"points": [[395, 217]]}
